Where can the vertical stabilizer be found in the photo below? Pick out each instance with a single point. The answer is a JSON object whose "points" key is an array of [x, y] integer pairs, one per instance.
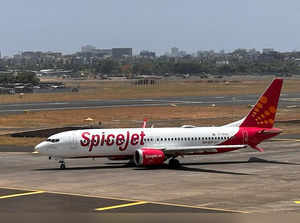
{"points": [[263, 113]]}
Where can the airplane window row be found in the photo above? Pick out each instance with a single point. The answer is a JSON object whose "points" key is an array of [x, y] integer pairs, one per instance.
{"points": [[187, 138], [52, 140]]}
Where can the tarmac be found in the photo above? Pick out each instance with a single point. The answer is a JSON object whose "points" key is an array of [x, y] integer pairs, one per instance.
{"points": [[286, 100], [242, 182]]}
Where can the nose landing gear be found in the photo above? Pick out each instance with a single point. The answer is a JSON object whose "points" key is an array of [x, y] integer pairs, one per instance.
{"points": [[62, 164]]}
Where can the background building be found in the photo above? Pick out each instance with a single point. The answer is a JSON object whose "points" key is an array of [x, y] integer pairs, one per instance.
{"points": [[121, 52], [174, 52], [88, 49], [147, 54]]}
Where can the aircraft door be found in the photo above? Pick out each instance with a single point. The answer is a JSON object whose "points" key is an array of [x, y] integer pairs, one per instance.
{"points": [[73, 140]]}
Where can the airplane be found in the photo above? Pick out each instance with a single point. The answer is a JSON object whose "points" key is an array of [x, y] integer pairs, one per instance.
{"points": [[153, 146]]}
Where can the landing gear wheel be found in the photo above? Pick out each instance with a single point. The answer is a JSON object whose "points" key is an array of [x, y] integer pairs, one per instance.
{"points": [[62, 166], [174, 163], [131, 163]]}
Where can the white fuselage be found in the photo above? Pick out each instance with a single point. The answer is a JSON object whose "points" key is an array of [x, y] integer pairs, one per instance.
{"points": [[124, 142]]}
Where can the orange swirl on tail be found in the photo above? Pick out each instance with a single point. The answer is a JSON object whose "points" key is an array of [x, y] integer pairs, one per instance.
{"points": [[263, 113]]}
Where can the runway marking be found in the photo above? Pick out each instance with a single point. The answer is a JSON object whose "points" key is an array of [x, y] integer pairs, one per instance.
{"points": [[132, 200], [21, 194], [121, 206], [200, 207], [83, 107], [71, 194]]}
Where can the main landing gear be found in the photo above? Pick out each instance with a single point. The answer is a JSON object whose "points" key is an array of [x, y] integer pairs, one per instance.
{"points": [[62, 164], [174, 163], [131, 163]]}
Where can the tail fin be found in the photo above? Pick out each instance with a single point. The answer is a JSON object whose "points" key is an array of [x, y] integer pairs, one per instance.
{"points": [[263, 113]]}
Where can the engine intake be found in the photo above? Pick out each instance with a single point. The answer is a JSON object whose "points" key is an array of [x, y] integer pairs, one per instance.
{"points": [[149, 157]]}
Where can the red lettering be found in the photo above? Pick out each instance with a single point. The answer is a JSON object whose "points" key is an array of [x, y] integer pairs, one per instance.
{"points": [[134, 139], [94, 142], [126, 144], [86, 139], [109, 141], [120, 139], [142, 137]]}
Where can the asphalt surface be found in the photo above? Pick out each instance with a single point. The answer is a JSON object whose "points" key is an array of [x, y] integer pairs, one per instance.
{"points": [[12, 200], [285, 100], [21, 149], [243, 181]]}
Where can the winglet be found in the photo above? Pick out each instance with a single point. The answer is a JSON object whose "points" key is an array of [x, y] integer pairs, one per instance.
{"points": [[263, 113]]}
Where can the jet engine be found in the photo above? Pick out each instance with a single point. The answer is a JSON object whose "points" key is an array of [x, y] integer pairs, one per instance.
{"points": [[149, 157]]}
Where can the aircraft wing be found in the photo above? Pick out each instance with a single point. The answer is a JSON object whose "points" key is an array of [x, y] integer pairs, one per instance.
{"points": [[199, 149]]}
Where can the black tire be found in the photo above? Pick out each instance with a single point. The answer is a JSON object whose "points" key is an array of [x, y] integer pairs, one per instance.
{"points": [[174, 163], [62, 166]]}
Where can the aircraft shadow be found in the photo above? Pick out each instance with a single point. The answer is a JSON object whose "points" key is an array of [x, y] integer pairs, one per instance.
{"points": [[183, 167], [121, 165], [250, 160]]}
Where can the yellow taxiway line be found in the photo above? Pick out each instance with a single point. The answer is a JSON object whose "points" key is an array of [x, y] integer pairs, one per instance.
{"points": [[136, 202], [297, 202], [21, 194], [199, 207], [121, 206]]}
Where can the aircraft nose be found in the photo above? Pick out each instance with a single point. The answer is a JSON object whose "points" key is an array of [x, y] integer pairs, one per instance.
{"points": [[39, 148]]}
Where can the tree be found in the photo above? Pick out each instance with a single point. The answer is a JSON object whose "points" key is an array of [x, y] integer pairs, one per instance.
{"points": [[27, 77], [107, 67], [7, 78]]}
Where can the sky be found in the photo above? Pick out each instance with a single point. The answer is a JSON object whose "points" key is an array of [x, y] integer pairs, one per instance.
{"points": [[156, 25]]}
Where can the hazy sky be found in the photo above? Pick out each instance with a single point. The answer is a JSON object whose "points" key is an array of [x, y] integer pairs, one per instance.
{"points": [[66, 25]]}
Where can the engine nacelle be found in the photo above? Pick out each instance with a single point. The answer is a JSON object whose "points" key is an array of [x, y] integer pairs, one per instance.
{"points": [[149, 157]]}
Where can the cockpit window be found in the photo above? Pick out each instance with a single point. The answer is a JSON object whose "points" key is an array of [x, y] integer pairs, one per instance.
{"points": [[53, 140]]}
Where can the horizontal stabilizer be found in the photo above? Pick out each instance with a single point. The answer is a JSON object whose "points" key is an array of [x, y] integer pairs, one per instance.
{"points": [[257, 148]]}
